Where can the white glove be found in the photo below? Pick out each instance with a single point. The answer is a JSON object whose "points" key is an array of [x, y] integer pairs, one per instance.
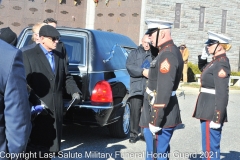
{"points": [[205, 53], [37, 109], [214, 125], [154, 129]]}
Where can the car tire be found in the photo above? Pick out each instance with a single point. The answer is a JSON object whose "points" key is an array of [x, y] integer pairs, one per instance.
{"points": [[120, 129]]}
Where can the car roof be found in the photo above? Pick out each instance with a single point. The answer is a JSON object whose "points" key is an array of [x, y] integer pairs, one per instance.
{"points": [[101, 45]]}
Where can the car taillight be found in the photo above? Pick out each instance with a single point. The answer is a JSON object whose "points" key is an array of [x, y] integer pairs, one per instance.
{"points": [[102, 92]]}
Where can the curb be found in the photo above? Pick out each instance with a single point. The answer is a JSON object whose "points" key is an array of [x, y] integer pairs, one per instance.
{"points": [[191, 90]]}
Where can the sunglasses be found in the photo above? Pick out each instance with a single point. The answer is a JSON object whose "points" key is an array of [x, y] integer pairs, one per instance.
{"points": [[54, 38]]}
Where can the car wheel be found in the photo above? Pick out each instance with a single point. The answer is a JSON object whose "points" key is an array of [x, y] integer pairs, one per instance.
{"points": [[120, 129]]}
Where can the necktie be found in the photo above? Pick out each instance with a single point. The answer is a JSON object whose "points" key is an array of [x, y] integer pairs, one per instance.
{"points": [[51, 60]]}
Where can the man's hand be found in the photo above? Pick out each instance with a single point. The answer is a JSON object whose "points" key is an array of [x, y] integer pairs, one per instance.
{"points": [[77, 96], [37, 109], [214, 125], [205, 53], [154, 129], [145, 72]]}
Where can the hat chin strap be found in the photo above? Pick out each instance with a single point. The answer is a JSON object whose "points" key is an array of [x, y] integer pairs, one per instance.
{"points": [[157, 38], [215, 49]]}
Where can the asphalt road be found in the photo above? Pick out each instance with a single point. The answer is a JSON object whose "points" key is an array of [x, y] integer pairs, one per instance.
{"points": [[94, 143]]}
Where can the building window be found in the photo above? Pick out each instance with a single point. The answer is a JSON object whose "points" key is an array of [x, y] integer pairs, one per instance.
{"points": [[201, 19], [177, 15]]}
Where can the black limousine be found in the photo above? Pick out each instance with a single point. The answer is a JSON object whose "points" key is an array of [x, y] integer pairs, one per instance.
{"points": [[97, 62]]}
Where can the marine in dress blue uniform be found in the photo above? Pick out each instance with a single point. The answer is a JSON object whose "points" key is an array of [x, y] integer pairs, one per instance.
{"points": [[161, 111], [211, 106]]}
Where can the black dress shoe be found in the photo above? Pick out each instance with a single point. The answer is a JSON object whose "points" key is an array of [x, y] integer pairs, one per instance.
{"points": [[133, 140], [141, 137]]}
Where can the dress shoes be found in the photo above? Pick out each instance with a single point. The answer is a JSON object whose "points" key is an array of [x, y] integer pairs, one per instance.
{"points": [[141, 137], [133, 139]]}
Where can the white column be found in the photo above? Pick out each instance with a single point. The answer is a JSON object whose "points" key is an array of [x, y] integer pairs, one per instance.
{"points": [[90, 14], [142, 20]]}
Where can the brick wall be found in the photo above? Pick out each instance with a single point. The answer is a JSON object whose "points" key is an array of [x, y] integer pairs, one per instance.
{"points": [[126, 17], [189, 23], [120, 16], [18, 14]]}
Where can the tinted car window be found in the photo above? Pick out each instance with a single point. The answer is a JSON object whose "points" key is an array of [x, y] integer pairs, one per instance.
{"points": [[116, 56], [126, 51], [27, 39], [109, 52], [75, 47]]}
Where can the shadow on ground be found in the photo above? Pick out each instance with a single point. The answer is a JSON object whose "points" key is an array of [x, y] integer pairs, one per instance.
{"points": [[233, 155], [93, 143]]}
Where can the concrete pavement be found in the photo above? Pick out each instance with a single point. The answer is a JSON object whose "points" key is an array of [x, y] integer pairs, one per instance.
{"points": [[78, 142]]}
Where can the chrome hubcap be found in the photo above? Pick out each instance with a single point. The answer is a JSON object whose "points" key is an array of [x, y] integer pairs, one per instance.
{"points": [[126, 118]]}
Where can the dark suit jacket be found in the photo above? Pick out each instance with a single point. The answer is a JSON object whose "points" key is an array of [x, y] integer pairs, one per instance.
{"points": [[48, 86], [133, 64], [15, 116], [30, 46]]}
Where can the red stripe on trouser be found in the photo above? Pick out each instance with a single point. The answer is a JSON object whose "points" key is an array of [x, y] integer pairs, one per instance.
{"points": [[155, 147], [207, 140]]}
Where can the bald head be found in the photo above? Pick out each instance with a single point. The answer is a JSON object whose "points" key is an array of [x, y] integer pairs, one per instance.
{"points": [[167, 32], [163, 36], [145, 38], [35, 30], [145, 42]]}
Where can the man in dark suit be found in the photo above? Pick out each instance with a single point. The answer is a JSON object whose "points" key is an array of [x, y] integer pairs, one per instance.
{"points": [[135, 67], [47, 74], [60, 45], [15, 116], [8, 36]]}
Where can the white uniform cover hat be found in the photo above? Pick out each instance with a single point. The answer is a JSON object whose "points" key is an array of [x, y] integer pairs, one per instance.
{"points": [[217, 38], [154, 24]]}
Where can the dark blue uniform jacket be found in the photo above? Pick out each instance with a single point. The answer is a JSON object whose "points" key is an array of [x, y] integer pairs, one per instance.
{"points": [[215, 75], [164, 77]]}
